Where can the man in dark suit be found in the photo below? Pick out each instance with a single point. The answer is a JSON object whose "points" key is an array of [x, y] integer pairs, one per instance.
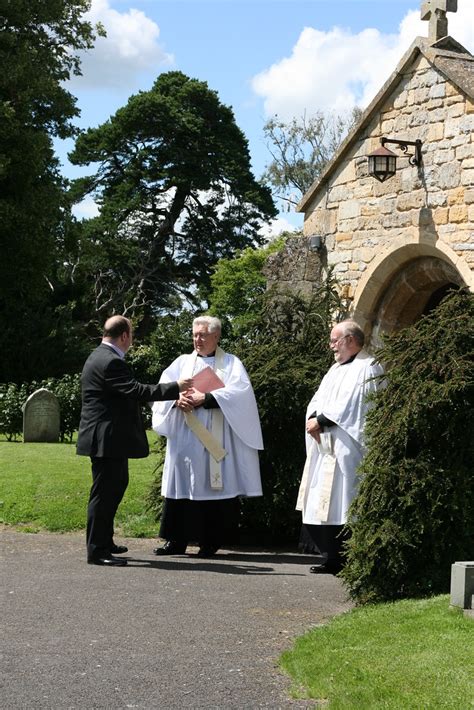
{"points": [[111, 431]]}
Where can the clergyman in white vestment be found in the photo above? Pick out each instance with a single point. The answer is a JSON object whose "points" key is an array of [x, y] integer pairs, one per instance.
{"points": [[213, 439], [335, 420]]}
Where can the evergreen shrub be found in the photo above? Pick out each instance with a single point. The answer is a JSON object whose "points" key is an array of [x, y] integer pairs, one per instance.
{"points": [[12, 398], [68, 391], [414, 515], [172, 337], [286, 354]]}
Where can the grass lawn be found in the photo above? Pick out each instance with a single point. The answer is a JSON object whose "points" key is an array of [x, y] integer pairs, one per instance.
{"points": [[46, 487], [408, 655]]}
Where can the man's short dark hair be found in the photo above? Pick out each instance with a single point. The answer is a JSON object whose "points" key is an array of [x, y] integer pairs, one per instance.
{"points": [[115, 326]]}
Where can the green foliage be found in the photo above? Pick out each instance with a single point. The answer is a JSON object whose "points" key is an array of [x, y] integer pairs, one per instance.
{"points": [[238, 285], [154, 500], [414, 515], [171, 337], [286, 355], [176, 194], [68, 391], [12, 398], [38, 44]]}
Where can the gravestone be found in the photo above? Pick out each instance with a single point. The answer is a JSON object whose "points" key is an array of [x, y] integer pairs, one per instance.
{"points": [[462, 584], [41, 417]]}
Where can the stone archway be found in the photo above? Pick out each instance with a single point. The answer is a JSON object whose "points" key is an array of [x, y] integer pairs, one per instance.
{"points": [[414, 290], [405, 284]]}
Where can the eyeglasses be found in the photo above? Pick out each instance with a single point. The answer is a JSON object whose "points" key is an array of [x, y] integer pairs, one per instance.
{"points": [[334, 341]]}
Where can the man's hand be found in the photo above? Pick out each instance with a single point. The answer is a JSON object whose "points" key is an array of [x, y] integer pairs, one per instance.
{"points": [[313, 428], [197, 397], [185, 384], [185, 403]]}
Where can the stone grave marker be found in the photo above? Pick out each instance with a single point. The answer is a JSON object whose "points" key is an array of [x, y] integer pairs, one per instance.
{"points": [[462, 584], [41, 417]]}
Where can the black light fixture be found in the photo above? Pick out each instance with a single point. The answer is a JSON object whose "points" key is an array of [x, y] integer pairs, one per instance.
{"points": [[383, 162], [315, 242]]}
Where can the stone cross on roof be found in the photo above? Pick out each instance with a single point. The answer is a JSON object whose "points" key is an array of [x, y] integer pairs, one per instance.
{"points": [[435, 11]]}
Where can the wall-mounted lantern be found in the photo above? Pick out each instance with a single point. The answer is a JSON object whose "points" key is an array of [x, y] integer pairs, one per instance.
{"points": [[383, 162], [315, 242]]}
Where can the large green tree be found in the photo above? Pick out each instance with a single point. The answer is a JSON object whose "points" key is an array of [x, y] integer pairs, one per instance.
{"points": [[176, 193], [238, 286], [39, 40]]}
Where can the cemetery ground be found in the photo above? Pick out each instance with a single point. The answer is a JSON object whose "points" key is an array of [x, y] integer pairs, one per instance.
{"points": [[225, 643]]}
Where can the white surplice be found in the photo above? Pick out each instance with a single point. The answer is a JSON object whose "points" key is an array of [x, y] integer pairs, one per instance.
{"points": [[186, 471], [342, 398]]}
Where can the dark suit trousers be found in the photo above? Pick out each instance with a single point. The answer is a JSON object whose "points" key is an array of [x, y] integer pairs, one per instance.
{"points": [[109, 483]]}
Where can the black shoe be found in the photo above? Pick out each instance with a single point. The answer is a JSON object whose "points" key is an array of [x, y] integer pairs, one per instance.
{"points": [[318, 569], [118, 549], [109, 561], [171, 548], [207, 551], [328, 568]]}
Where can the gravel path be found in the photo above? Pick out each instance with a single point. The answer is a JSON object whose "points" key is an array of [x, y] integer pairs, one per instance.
{"points": [[170, 632]]}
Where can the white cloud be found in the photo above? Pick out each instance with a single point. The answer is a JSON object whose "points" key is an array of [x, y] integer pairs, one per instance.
{"points": [[461, 24], [130, 48], [335, 70], [275, 227], [86, 209]]}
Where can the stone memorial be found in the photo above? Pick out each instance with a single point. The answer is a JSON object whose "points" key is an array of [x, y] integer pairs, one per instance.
{"points": [[41, 417], [462, 584]]}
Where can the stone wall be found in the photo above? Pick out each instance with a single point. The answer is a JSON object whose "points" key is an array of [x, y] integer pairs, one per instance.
{"points": [[362, 218], [295, 267]]}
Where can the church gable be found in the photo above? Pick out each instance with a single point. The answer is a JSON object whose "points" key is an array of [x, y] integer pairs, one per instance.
{"points": [[397, 246], [456, 67]]}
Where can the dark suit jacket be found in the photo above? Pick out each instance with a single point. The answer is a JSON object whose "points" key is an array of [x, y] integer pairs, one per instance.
{"points": [[111, 422]]}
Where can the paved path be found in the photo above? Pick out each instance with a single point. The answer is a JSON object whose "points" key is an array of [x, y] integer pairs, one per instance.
{"points": [[172, 632]]}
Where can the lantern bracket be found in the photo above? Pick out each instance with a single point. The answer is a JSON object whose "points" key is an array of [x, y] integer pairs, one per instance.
{"points": [[413, 158]]}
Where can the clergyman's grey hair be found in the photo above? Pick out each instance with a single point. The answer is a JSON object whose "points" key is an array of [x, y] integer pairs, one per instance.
{"points": [[212, 323]]}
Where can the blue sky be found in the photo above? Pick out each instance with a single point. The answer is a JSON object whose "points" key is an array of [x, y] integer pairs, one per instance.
{"points": [[263, 57]]}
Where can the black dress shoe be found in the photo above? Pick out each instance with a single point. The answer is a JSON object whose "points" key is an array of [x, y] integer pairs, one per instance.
{"points": [[318, 569], [109, 561], [171, 548], [118, 549], [327, 568], [206, 551]]}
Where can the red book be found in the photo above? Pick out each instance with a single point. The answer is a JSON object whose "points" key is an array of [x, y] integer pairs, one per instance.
{"points": [[206, 380]]}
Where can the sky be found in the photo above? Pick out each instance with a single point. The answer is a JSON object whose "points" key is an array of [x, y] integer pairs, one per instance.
{"points": [[263, 57]]}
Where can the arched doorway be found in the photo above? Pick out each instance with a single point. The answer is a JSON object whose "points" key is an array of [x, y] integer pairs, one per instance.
{"points": [[414, 291], [406, 284]]}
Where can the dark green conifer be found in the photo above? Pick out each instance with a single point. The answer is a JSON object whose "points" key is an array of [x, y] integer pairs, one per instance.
{"points": [[414, 515]]}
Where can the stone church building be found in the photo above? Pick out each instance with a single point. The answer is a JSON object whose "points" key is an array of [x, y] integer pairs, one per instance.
{"points": [[398, 238]]}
